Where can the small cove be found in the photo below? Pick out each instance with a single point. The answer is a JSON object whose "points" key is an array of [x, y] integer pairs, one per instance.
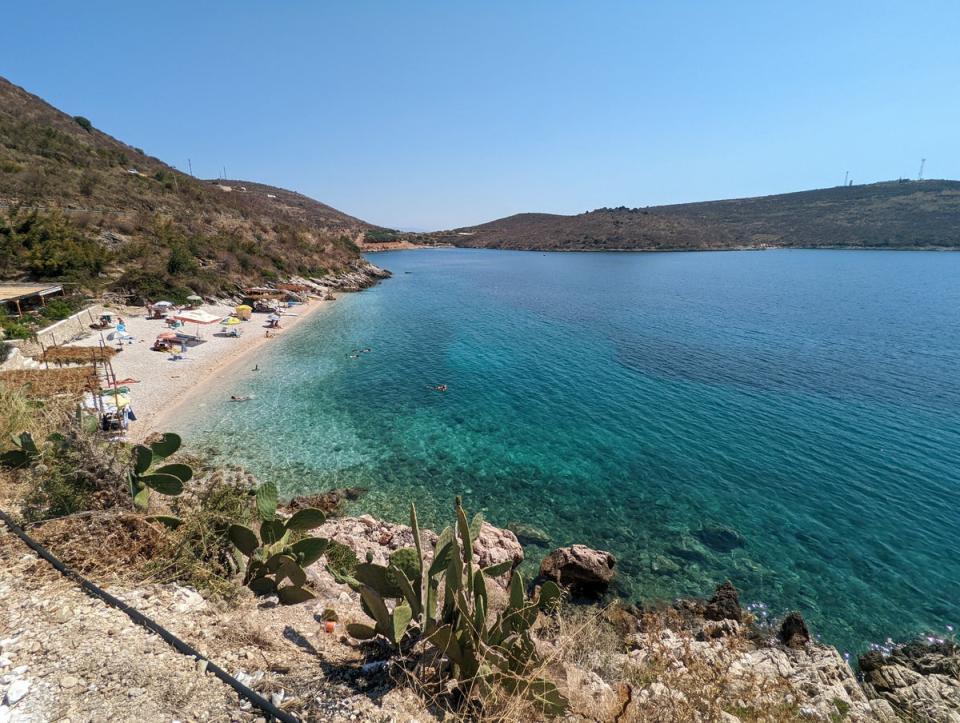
{"points": [[789, 420]]}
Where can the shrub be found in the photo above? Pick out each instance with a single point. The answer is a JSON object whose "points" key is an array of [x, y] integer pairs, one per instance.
{"points": [[180, 260], [56, 310], [88, 182], [83, 123]]}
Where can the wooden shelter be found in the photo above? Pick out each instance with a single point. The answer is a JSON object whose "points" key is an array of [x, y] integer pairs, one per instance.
{"points": [[27, 296]]}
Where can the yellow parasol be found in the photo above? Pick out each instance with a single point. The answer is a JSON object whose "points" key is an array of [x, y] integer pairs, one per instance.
{"points": [[230, 321]]}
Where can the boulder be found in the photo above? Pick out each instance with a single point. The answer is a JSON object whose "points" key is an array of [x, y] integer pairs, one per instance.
{"points": [[584, 571], [724, 605], [793, 631]]}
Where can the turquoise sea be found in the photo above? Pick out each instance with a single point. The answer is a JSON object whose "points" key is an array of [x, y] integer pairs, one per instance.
{"points": [[789, 420]]}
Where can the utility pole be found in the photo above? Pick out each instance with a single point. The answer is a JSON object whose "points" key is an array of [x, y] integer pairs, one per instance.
{"points": [[920, 175], [190, 166], [846, 175]]}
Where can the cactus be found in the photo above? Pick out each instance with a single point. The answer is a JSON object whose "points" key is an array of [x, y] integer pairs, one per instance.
{"points": [[480, 652], [167, 480], [273, 558], [25, 451]]}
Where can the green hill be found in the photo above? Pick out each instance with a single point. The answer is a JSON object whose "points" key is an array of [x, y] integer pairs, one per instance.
{"points": [[77, 204]]}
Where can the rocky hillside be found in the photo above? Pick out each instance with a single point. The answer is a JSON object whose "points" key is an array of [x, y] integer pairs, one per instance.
{"points": [[895, 214], [76, 203]]}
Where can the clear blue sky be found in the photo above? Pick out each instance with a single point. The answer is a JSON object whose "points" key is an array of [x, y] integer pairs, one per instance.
{"points": [[441, 114]]}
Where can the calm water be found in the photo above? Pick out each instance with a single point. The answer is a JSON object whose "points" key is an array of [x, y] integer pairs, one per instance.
{"points": [[806, 400]]}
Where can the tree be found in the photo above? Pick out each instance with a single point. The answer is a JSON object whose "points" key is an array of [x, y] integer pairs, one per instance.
{"points": [[83, 123]]}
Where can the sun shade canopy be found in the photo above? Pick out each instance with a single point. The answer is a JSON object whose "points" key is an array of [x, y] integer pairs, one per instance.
{"points": [[197, 316]]}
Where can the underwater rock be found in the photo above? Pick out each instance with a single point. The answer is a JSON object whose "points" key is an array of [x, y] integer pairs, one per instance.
{"points": [[724, 605], [793, 631], [528, 534], [585, 571], [663, 565], [720, 539]]}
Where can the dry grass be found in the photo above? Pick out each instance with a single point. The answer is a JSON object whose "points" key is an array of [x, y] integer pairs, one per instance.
{"points": [[102, 544], [50, 383], [77, 354]]}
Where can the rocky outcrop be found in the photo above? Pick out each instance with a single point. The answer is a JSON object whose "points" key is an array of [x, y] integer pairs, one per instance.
{"points": [[367, 535], [793, 631], [585, 572], [724, 605], [363, 275], [920, 680]]}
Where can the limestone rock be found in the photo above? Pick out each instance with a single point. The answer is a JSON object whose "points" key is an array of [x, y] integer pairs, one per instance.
{"points": [[585, 571], [366, 534], [724, 605], [919, 679]]}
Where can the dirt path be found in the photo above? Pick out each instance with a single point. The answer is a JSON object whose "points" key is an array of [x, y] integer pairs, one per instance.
{"points": [[66, 656]]}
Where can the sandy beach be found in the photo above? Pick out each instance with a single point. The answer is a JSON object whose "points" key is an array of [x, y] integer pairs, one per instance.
{"points": [[165, 384]]}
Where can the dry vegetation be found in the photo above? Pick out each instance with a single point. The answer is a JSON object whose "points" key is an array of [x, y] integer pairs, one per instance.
{"points": [[77, 354], [87, 207], [36, 384]]}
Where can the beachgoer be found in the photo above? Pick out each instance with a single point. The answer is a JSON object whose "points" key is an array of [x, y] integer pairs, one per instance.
{"points": [[256, 368]]}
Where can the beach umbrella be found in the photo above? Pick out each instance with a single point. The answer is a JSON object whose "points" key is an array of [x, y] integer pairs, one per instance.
{"points": [[273, 317], [194, 297], [244, 311], [118, 335], [167, 335], [230, 321], [163, 304], [198, 317]]}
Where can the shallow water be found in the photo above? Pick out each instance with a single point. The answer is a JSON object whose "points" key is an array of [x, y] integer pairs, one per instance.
{"points": [[806, 400]]}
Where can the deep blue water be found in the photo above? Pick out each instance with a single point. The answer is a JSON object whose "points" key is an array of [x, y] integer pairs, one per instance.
{"points": [[808, 400]]}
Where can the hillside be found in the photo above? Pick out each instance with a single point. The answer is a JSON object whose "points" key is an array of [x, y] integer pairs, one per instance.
{"points": [[78, 204], [895, 214]]}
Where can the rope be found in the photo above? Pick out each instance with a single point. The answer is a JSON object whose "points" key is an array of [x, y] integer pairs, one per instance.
{"points": [[140, 619]]}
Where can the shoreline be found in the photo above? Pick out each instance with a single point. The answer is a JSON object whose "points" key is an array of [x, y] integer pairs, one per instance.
{"points": [[172, 386]]}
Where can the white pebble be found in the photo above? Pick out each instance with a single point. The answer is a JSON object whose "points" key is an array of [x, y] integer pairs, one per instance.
{"points": [[17, 690]]}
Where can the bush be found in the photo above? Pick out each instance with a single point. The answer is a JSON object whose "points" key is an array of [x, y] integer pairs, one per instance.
{"points": [[5, 351], [56, 310], [83, 123], [180, 260]]}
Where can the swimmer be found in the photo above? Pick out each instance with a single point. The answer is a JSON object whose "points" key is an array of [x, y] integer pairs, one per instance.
{"points": [[245, 398]]}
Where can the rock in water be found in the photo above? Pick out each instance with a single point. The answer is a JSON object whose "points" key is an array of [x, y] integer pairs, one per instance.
{"points": [[724, 605], [720, 539], [528, 534], [793, 631], [584, 571]]}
